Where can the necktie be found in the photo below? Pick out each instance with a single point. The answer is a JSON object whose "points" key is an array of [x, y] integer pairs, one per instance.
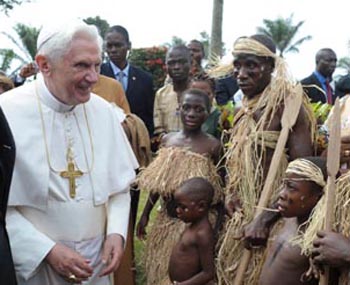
{"points": [[120, 78], [329, 92]]}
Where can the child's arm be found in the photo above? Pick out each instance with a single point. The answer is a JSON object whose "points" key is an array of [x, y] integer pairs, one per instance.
{"points": [[205, 243], [141, 226], [217, 151]]}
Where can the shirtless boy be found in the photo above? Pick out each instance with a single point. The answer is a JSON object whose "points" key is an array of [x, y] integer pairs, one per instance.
{"points": [[192, 258], [302, 188]]}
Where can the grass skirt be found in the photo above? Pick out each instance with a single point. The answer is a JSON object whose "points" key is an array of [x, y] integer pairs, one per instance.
{"points": [[173, 166]]}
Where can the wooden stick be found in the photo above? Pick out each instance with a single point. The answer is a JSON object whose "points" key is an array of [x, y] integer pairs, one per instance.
{"points": [[291, 111], [333, 161]]}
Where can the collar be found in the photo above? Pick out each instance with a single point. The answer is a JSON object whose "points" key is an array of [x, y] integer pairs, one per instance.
{"points": [[321, 78], [47, 98], [116, 69]]}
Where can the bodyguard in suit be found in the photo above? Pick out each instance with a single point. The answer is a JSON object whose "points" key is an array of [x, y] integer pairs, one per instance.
{"points": [[137, 84], [7, 160], [326, 61], [225, 88]]}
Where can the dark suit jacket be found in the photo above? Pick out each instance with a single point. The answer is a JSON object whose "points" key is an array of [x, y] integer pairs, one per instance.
{"points": [[140, 93], [225, 88], [7, 160], [314, 94], [342, 86]]}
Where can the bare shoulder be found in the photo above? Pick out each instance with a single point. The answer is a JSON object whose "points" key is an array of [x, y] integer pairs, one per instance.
{"points": [[205, 234], [169, 139], [214, 146]]}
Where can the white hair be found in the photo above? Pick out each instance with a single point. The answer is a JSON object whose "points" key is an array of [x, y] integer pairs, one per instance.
{"points": [[54, 42]]}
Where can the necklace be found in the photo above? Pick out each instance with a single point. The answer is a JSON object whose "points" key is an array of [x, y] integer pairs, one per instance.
{"points": [[71, 173]]}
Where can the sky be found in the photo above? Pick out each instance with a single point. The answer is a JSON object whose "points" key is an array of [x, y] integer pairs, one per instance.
{"points": [[155, 22]]}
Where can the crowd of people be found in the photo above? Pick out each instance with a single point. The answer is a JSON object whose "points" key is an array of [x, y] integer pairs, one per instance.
{"points": [[85, 137]]}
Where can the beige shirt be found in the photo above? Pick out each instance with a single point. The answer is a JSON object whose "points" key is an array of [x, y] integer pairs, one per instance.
{"points": [[166, 111]]}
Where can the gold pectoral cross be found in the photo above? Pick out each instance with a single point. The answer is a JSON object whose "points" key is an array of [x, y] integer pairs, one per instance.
{"points": [[71, 174]]}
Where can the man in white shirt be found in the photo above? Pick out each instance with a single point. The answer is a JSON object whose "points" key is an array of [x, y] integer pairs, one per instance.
{"points": [[69, 203]]}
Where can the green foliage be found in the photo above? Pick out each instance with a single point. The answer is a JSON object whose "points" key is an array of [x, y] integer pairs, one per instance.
{"points": [[344, 63], [283, 33], [7, 55], [321, 111], [28, 36], [140, 244], [25, 41], [151, 60], [175, 41], [100, 23], [7, 5], [227, 114]]}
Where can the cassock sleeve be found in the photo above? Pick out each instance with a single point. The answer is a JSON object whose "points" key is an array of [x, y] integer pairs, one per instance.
{"points": [[29, 246], [118, 213]]}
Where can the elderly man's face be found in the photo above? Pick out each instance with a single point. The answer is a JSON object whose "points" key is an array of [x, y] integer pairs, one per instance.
{"points": [[71, 79], [253, 73]]}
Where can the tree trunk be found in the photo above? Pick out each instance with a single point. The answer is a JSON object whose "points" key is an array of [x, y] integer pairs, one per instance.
{"points": [[216, 30]]}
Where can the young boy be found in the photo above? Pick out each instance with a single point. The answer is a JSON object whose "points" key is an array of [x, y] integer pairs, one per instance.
{"points": [[183, 155], [302, 188], [212, 123], [192, 258]]}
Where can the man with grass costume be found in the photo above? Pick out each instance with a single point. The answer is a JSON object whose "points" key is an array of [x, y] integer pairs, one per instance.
{"points": [[265, 82]]}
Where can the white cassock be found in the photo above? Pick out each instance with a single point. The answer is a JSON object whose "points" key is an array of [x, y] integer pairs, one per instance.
{"points": [[41, 210]]}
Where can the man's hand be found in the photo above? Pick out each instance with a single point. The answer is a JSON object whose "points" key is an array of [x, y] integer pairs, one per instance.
{"points": [[256, 233], [28, 70], [112, 253], [67, 262], [331, 249], [141, 227]]}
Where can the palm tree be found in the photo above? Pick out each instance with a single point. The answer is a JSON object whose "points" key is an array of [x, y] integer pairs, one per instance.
{"points": [[283, 33], [25, 43], [216, 30]]}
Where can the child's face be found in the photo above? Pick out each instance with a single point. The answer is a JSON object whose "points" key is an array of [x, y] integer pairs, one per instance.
{"points": [[297, 197], [205, 86], [188, 211], [193, 111]]}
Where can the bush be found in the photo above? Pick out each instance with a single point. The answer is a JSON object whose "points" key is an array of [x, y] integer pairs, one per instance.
{"points": [[151, 60]]}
